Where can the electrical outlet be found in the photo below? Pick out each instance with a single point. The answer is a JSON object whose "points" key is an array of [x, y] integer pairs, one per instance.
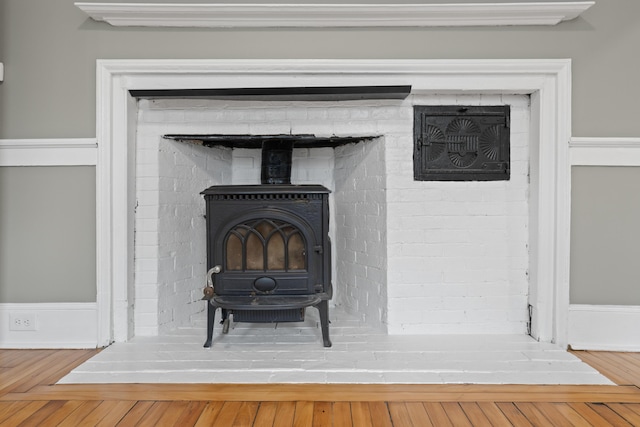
{"points": [[22, 321]]}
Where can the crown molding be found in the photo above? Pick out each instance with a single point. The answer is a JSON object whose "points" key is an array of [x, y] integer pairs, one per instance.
{"points": [[326, 15]]}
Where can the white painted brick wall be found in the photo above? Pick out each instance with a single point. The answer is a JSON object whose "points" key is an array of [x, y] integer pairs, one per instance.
{"points": [[185, 170], [170, 259], [458, 251], [416, 257], [360, 243], [146, 247]]}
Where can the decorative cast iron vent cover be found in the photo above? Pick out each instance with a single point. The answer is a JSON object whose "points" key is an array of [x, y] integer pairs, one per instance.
{"points": [[461, 143]]}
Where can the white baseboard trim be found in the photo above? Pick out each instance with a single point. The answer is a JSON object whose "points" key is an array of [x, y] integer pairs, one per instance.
{"points": [[604, 327], [57, 325]]}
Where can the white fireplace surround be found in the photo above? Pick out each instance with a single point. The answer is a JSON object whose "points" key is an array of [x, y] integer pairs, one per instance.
{"points": [[548, 83]]}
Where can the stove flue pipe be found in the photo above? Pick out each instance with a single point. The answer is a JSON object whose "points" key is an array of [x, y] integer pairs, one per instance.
{"points": [[277, 157]]}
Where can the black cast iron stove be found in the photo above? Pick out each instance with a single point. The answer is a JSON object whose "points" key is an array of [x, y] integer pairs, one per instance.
{"points": [[268, 248]]}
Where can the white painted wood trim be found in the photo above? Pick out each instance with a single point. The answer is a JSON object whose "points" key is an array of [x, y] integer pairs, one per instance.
{"points": [[604, 327], [1, 72], [548, 82], [48, 152], [605, 151], [253, 15], [561, 207], [58, 325]]}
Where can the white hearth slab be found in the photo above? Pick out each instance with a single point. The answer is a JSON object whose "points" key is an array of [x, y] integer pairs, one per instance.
{"points": [[293, 353]]}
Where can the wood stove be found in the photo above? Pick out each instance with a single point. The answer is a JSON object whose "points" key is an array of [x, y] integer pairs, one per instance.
{"points": [[268, 248]]}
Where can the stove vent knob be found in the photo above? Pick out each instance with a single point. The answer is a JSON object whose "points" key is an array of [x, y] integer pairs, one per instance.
{"points": [[264, 284]]}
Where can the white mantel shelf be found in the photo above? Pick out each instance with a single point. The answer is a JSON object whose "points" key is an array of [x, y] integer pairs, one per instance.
{"points": [[326, 15]]}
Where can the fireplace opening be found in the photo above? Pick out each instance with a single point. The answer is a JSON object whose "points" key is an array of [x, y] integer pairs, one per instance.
{"points": [[407, 256], [268, 246]]}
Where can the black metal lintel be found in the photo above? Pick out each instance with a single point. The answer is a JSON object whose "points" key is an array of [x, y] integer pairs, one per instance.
{"points": [[256, 141], [313, 93]]}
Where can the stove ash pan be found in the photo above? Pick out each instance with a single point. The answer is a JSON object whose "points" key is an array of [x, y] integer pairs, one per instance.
{"points": [[268, 254]]}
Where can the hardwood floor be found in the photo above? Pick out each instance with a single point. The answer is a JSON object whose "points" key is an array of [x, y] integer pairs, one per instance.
{"points": [[30, 397]]}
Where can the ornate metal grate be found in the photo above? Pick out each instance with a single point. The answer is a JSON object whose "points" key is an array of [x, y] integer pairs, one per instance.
{"points": [[461, 143]]}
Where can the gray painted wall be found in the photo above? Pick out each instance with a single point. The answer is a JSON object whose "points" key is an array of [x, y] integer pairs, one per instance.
{"points": [[605, 235], [47, 234], [49, 49]]}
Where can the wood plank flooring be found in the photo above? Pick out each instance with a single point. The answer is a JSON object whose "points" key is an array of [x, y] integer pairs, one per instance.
{"points": [[30, 397]]}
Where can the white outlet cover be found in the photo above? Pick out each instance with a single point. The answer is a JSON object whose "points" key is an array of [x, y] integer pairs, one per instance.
{"points": [[22, 321]]}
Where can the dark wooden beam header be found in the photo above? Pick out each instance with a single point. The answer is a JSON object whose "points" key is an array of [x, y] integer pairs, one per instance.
{"points": [[320, 93]]}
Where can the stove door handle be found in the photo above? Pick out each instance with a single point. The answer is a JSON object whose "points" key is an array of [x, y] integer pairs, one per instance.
{"points": [[208, 290], [213, 270]]}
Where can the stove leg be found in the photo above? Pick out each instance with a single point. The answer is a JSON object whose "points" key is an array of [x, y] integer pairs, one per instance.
{"points": [[211, 315], [323, 309], [225, 321]]}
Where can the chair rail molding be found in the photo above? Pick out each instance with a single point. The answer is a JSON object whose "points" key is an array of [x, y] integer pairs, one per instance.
{"points": [[48, 152], [605, 151], [265, 15]]}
